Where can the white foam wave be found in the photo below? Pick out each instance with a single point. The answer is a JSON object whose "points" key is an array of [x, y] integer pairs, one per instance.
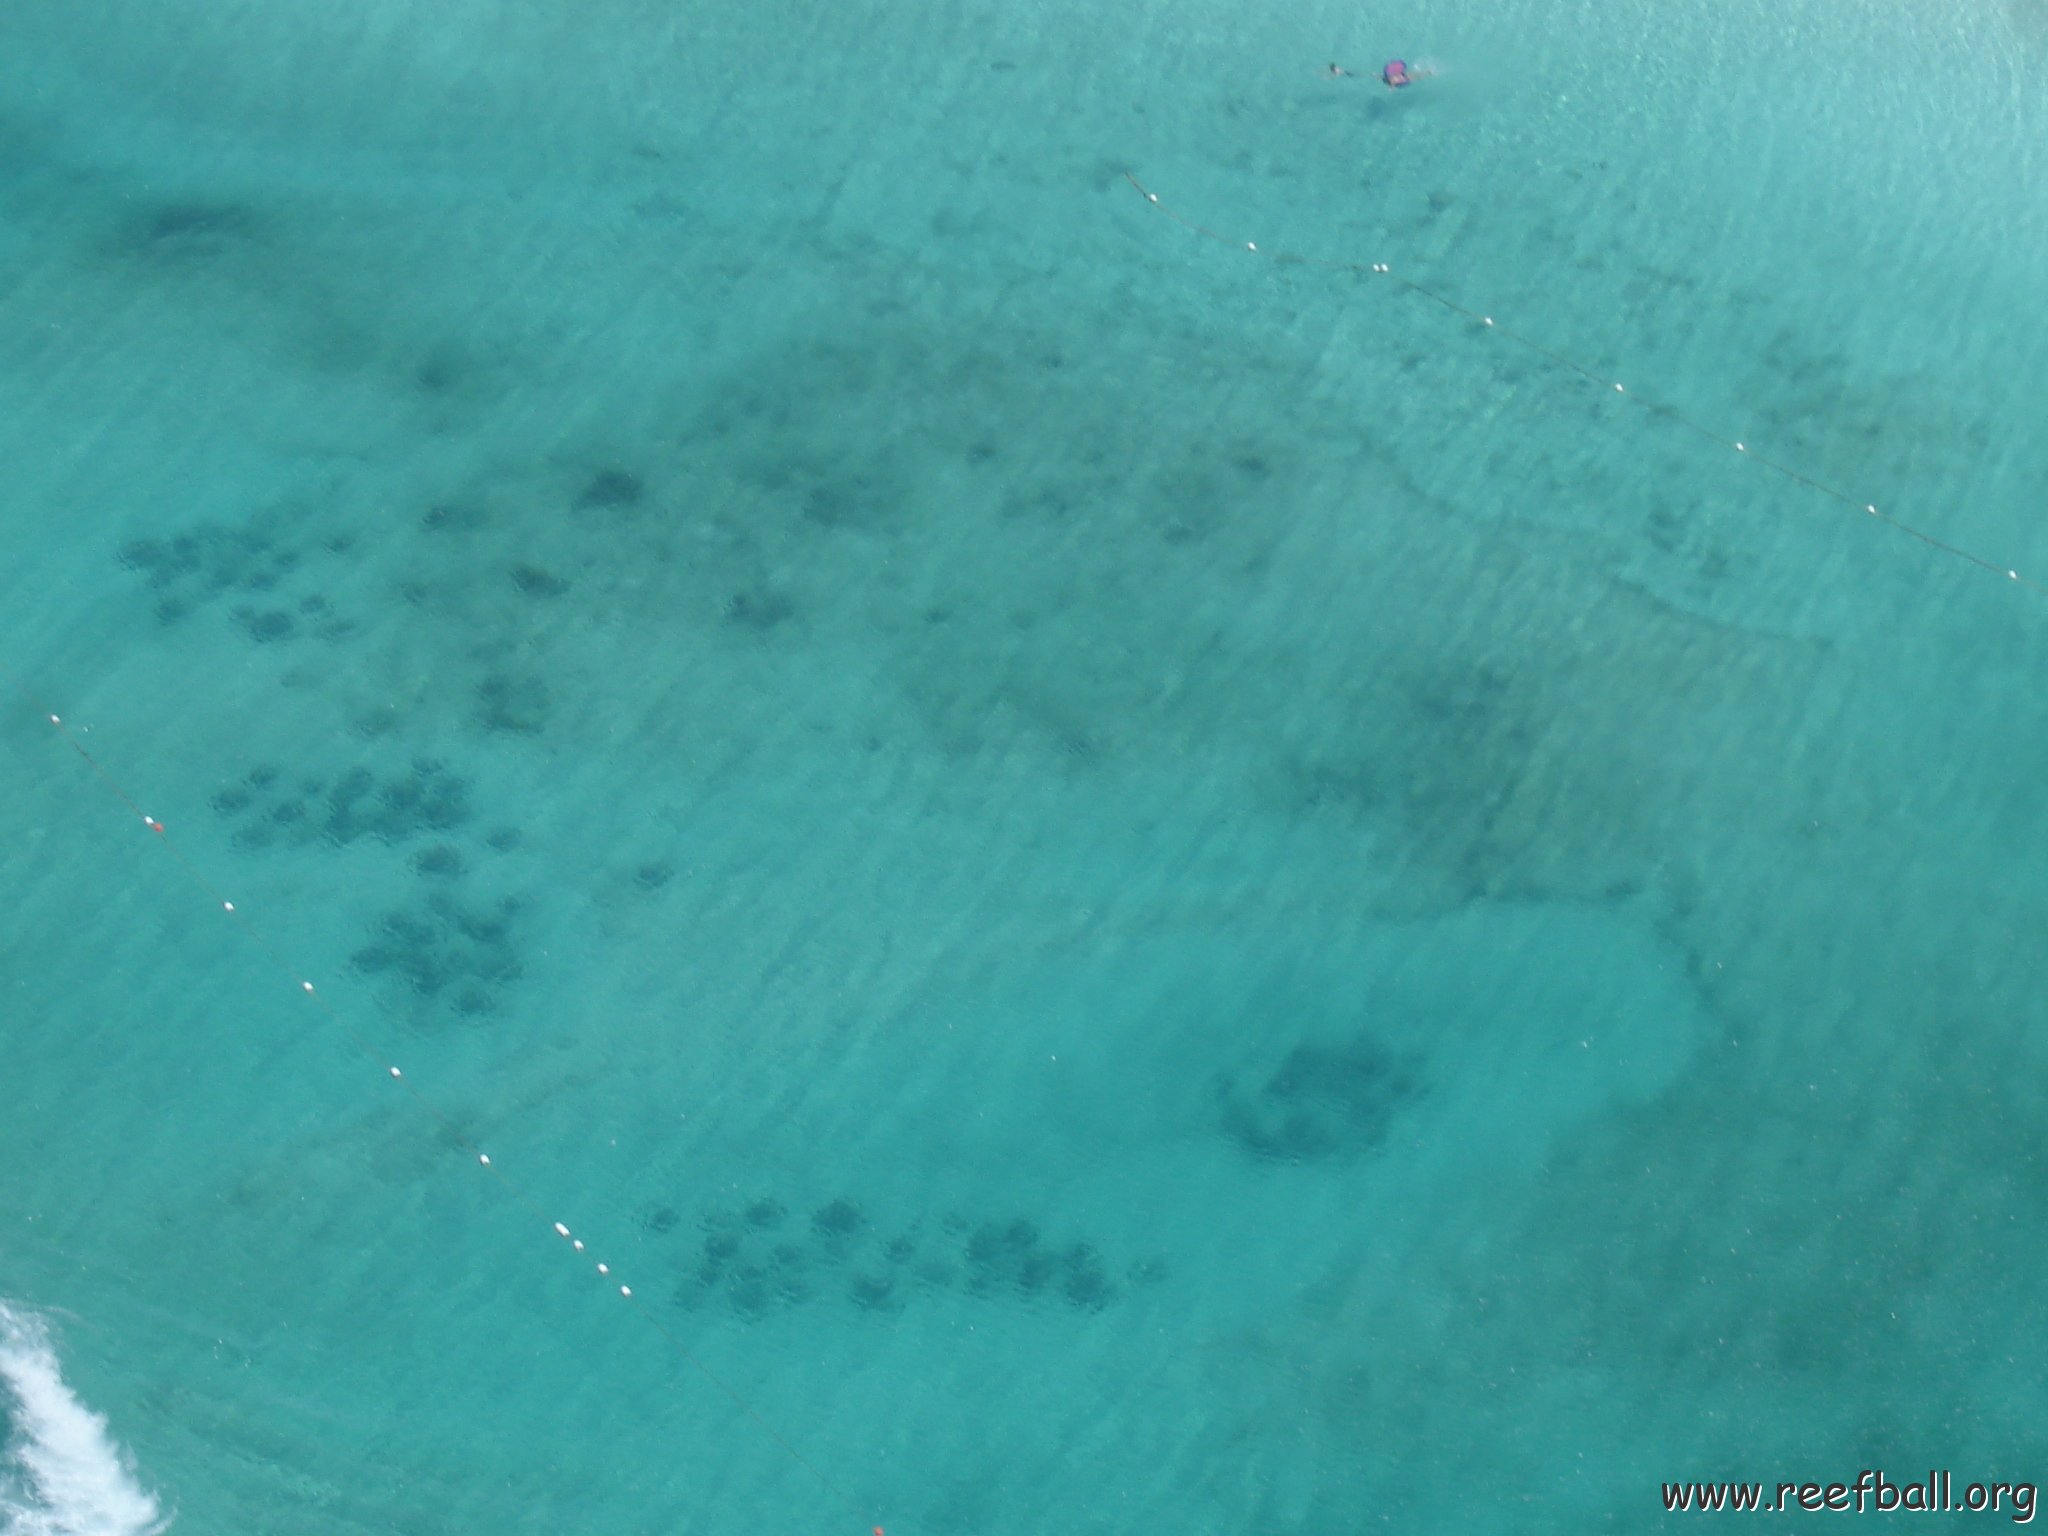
{"points": [[62, 1475]]}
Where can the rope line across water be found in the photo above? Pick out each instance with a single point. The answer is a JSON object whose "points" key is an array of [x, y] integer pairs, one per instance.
{"points": [[506, 1184], [1492, 327]]}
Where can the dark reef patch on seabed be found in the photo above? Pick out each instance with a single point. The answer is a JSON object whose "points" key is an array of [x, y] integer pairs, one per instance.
{"points": [[192, 571], [444, 948], [186, 229], [1323, 1100], [761, 1258], [425, 800], [513, 703], [614, 489]]}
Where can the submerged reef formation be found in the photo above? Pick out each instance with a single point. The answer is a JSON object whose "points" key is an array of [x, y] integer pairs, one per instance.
{"points": [[423, 801], [445, 947], [760, 1258], [194, 571], [1321, 1101]]}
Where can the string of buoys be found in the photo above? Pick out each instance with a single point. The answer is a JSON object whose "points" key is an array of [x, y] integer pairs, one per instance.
{"points": [[1491, 326], [507, 1184]]}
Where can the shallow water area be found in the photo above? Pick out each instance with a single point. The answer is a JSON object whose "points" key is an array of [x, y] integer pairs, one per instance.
{"points": [[1134, 884]]}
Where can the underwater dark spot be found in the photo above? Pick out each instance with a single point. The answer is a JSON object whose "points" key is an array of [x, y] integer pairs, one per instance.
{"points": [[999, 1249], [474, 1002], [349, 788], [230, 802], [504, 839], [142, 555], [981, 453], [443, 861], [1321, 1101], [751, 1292], [937, 1273], [900, 1250], [169, 610], [874, 1293], [535, 582], [515, 705], [1087, 1284], [719, 1247], [437, 374], [269, 626], [443, 948], [766, 1214], [446, 516], [840, 1219], [759, 611], [1032, 1273], [843, 503], [312, 605], [484, 930], [195, 221], [663, 1218], [652, 877], [611, 488]]}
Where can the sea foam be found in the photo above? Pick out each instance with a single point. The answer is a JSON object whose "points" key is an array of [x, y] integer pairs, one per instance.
{"points": [[61, 1474]]}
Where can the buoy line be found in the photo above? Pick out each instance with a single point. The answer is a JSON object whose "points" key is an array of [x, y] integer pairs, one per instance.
{"points": [[508, 1186], [1492, 327]]}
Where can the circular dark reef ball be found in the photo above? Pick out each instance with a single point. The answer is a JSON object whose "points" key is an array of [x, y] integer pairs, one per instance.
{"points": [[875, 1293], [440, 862], [842, 1218]]}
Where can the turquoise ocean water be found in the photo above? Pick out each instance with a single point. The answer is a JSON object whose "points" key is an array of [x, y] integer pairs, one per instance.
{"points": [[1137, 888]]}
